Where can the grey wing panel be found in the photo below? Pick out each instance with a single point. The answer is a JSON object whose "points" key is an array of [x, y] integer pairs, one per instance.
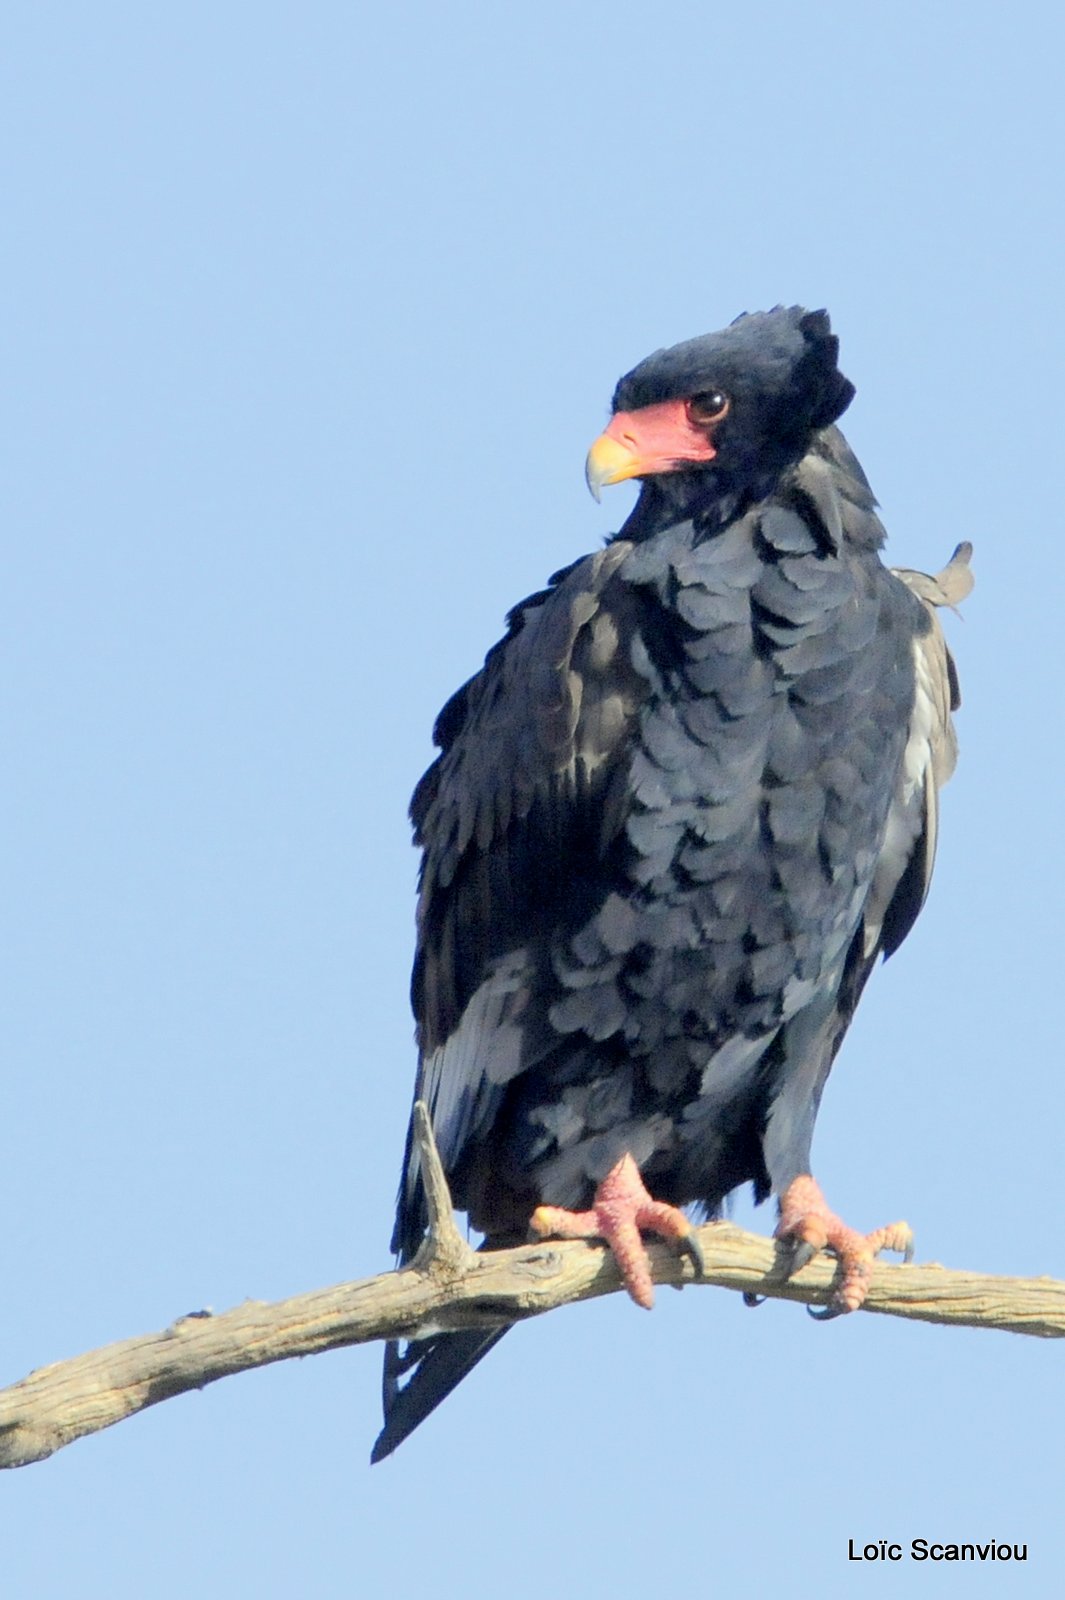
{"points": [[523, 800], [904, 871]]}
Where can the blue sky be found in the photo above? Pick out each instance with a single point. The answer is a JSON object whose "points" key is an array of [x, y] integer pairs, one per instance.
{"points": [[310, 314]]}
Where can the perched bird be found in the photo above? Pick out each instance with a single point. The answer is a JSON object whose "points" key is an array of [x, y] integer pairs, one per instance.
{"points": [[676, 818]]}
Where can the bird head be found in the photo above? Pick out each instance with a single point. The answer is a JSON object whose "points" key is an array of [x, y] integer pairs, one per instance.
{"points": [[719, 418]]}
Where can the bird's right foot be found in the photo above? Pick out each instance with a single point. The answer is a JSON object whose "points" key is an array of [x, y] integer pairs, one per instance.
{"points": [[621, 1208]]}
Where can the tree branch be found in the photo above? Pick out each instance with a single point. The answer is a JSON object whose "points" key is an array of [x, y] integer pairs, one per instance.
{"points": [[450, 1286]]}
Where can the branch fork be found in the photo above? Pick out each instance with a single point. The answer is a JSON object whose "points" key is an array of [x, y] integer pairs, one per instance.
{"points": [[444, 1252]]}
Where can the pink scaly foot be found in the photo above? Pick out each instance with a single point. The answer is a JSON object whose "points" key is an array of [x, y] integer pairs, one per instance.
{"points": [[622, 1206], [807, 1225]]}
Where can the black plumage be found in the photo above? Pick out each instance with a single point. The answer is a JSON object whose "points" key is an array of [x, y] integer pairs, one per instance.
{"points": [[676, 818]]}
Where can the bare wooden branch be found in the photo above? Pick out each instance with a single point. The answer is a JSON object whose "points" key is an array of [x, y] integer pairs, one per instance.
{"points": [[451, 1286], [58, 1404]]}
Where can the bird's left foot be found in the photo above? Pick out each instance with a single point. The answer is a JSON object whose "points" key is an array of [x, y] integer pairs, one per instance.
{"points": [[807, 1225], [621, 1208]]}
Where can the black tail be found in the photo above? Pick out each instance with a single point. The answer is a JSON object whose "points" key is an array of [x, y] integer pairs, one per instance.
{"points": [[436, 1366]]}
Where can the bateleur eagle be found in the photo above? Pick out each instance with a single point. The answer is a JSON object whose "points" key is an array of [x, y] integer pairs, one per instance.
{"points": [[676, 818]]}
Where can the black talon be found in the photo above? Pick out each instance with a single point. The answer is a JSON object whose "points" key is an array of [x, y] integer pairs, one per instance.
{"points": [[797, 1254], [824, 1313], [752, 1301]]}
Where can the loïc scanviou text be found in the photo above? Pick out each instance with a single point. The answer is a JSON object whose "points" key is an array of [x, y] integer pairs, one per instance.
{"points": [[934, 1550]]}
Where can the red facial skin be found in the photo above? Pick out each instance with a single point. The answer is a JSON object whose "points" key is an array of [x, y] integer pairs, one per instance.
{"points": [[654, 439], [661, 437]]}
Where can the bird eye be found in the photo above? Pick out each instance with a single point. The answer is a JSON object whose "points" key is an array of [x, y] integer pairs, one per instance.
{"points": [[710, 406]]}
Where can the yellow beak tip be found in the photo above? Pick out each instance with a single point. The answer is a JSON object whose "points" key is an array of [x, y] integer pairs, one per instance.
{"points": [[608, 462]]}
